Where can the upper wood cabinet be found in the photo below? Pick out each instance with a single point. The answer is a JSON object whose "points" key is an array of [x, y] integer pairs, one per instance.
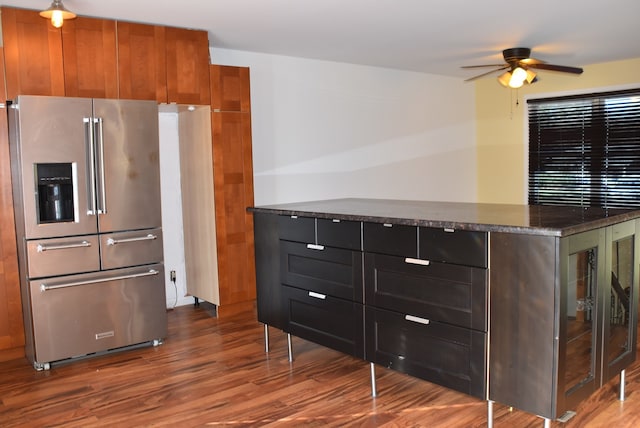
{"points": [[187, 66], [230, 89], [142, 70], [33, 54], [90, 57], [103, 58]]}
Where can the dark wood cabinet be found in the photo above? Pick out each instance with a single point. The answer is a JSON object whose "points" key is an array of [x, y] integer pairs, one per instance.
{"points": [[142, 65], [537, 314], [90, 58], [425, 318], [187, 55], [572, 347], [33, 54]]}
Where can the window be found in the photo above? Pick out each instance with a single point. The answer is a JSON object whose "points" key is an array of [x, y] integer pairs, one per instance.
{"points": [[585, 150]]}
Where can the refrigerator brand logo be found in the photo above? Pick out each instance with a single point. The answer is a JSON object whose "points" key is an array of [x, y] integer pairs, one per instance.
{"points": [[104, 335]]}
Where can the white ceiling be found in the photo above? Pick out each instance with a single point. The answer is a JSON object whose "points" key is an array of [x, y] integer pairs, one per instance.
{"points": [[432, 36]]}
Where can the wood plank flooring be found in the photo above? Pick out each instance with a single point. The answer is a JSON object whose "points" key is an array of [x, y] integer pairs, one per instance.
{"points": [[214, 373]]}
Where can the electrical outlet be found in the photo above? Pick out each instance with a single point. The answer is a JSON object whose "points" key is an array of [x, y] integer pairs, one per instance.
{"points": [[172, 276]]}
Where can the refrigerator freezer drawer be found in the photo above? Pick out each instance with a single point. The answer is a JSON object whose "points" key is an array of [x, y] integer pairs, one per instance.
{"points": [[84, 314], [135, 248], [62, 256]]}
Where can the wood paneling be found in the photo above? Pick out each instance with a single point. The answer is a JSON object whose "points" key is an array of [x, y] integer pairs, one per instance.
{"points": [[11, 331], [142, 70], [187, 66], [233, 184], [33, 54], [90, 58], [214, 372]]}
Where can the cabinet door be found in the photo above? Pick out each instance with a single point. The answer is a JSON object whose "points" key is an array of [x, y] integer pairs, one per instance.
{"points": [[89, 50], [142, 70], [33, 54], [230, 88], [233, 188], [582, 269], [187, 54], [11, 327], [620, 298]]}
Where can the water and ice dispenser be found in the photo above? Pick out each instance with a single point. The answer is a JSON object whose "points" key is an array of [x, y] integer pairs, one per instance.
{"points": [[55, 192]]}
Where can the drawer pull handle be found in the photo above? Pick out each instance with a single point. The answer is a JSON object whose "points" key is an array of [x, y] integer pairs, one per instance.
{"points": [[387, 224], [446, 229], [336, 220], [149, 237], [315, 247], [416, 319], [41, 248], [417, 261], [317, 295]]}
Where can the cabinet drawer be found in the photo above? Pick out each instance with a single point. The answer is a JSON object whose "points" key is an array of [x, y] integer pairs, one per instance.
{"points": [[398, 240], [450, 356], [58, 256], [339, 233], [332, 271], [331, 322], [300, 229], [462, 247], [443, 292]]}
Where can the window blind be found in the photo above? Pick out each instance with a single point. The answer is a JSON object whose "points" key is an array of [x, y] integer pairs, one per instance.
{"points": [[585, 150]]}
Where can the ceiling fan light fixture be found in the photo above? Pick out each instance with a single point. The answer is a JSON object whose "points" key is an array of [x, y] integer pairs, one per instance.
{"points": [[518, 76], [57, 13]]}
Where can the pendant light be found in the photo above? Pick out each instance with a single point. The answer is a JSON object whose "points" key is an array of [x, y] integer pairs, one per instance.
{"points": [[57, 13]]}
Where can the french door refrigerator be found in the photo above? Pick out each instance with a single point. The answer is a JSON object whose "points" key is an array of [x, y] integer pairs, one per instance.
{"points": [[86, 187]]}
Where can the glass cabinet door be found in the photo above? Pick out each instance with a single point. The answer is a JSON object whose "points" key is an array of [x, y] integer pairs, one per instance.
{"points": [[621, 291], [579, 365]]}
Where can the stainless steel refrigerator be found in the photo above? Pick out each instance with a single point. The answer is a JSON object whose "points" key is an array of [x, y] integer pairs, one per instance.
{"points": [[86, 188]]}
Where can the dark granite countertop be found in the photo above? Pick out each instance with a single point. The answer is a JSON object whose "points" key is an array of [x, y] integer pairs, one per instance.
{"points": [[528, 219]]}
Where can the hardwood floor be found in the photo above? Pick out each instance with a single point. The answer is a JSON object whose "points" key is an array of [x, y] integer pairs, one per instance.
{"points": [[215, 373]]}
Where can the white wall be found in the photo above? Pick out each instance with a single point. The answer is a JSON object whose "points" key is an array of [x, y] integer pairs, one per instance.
{"points": [[326, 130], [172, 233]]}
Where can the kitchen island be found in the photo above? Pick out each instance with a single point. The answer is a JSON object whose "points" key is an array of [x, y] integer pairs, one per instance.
{"points": [[534, 307]]}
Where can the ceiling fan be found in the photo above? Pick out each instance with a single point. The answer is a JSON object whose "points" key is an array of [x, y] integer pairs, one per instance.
{"points": [[519, 63]]}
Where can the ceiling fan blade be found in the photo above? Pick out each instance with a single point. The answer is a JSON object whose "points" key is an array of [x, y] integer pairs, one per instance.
{"points": [[561, 68], [480, 66], [502, 67]]}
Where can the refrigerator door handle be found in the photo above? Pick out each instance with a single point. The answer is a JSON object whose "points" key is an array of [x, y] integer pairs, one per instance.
{"points": [[91, 166], [99, 136], [45, 287]]}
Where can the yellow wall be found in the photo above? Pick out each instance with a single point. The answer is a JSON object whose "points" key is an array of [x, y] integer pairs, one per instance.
{"points": [[501, 113]]}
